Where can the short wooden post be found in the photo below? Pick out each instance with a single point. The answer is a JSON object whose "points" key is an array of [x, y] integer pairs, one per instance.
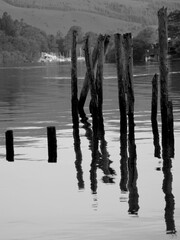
{"points": [[9, 146], [128, 47], [74, 88], [52, 144], [163, 50], [154, 123]]}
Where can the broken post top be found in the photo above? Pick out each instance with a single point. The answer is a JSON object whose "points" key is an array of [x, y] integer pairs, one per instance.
{"points": [[162, 12], [163, 31]]}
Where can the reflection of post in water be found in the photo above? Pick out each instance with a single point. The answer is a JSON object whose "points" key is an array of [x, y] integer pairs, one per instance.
{"points": [[105, 162], [94, 162], [100, 158], [170, 129], [78, 162], [132, 182], [169, 197], [123, 162]]}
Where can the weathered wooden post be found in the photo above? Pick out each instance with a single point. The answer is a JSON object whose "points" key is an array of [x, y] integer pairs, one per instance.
{"points": [[154, 123], [120, 62], [128, 47], [74, 88], [99, 86], [163, 50], [9, 146], [93, 103], [52, 144], [99, 76], [85, 88]]}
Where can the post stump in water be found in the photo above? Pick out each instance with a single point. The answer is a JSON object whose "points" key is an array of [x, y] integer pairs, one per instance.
{"points": [[52, 144], [9, 146]]}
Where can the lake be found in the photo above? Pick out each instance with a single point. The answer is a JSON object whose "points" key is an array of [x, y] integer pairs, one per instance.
{"points": [[73, 199]]}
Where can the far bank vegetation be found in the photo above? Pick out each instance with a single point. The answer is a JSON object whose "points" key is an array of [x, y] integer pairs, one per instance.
{"points": [[20, 42]]}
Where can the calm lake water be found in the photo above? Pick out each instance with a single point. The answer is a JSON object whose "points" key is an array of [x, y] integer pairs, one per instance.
{"points": [[70, 199]]}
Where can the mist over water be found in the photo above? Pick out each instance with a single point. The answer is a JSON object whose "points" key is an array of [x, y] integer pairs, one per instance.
{"points": [[85, 195]]}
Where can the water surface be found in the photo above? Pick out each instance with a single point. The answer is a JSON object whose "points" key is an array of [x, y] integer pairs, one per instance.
{"points": [[72, 199]]}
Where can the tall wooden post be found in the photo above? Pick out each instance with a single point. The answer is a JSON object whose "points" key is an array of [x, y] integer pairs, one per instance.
{"points": [[93, 103], [154, 123], [99, 87], [74, 88], [99, 76], [85, 88], [163, 50], [120, 61], [9, 146], [128, 47]]}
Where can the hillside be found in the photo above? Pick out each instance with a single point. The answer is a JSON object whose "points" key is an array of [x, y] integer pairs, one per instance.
{"points": [[92, 15]]}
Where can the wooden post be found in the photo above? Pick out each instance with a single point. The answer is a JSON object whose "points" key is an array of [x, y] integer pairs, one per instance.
{"points": [[163, 50], [99, 87], [99, 76], [120, 60], [93, 103], [9, 146], [85, 88], [154, 123], [128, 47], [74, 88], [52, 144]]}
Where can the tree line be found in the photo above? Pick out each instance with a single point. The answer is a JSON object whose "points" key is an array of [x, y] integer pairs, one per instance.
{"points": [[20, 42]]}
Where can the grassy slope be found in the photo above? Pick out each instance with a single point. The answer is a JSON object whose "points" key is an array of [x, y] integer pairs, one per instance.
{"points": [[53, 20], [98, 18]]}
